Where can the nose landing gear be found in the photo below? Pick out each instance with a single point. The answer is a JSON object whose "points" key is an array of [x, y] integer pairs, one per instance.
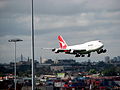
{"points": [[101, 51]]}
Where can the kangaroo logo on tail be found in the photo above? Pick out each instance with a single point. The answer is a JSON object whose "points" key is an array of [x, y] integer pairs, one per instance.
{"points": [[62, 43]]}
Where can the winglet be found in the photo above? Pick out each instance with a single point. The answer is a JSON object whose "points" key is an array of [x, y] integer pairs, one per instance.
{"points": [[62, 42]]}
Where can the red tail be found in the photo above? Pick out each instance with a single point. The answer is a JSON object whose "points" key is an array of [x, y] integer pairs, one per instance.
{"points": [[62, 43]]}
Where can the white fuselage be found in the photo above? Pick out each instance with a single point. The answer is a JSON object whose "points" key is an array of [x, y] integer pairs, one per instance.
{"points": [[88, 46]]}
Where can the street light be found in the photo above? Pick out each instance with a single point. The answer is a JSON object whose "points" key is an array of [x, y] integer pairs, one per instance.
{"points": [[32, 48], [15, 40]]}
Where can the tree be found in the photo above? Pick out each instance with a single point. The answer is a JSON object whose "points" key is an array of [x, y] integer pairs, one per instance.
{"points": [[92, 71], [110, 72]]}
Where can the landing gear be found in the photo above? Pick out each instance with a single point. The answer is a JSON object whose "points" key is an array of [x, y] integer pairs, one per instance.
{"points": [[101, 51], [88, 55], [82, 55], [104, 51], [77, 55]]}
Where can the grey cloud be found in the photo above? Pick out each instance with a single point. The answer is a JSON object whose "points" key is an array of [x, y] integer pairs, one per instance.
{"points": [[103, 5], [77, 21], [58, 7], [75, 6], [11, 27]]}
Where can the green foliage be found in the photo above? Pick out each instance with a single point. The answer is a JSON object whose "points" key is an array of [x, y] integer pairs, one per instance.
{"points": [[110, 72], [92, 71]]}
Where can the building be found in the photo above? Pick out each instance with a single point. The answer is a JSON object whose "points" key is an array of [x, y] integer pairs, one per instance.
{"points": [[66, 61], [107, 59]]}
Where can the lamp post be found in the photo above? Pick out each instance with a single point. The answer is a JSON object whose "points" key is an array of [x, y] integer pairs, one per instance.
{"points": [[32, 48], [15, 40]]}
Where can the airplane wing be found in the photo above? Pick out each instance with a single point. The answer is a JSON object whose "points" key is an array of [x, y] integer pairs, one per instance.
{"points": [[65, 50], [68, 51]]}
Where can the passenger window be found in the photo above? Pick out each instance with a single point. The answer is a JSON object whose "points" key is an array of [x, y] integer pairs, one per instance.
{"points": [[90, 45]]}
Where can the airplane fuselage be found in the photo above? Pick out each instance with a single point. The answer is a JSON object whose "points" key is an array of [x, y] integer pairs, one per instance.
{"points": [[88, 47]]}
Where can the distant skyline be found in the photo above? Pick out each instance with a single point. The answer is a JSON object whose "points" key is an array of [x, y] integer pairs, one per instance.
{"points": [[77, 21]]}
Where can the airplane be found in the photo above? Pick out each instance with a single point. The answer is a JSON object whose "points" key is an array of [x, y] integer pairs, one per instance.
{"points": [[81, 49]]}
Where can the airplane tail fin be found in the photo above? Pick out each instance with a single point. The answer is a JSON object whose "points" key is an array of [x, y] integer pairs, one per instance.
{"points": [[62, 42]]}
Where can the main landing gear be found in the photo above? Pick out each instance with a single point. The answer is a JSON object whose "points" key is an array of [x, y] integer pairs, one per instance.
{"points": [[77, 55], [81, 55], [88, 55]]}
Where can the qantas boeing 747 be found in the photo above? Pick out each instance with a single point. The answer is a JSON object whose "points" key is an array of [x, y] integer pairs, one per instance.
{"points": [[81, 49]]}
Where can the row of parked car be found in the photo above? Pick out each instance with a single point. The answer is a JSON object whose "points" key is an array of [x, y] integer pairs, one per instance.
{"points": [[86, 83]]}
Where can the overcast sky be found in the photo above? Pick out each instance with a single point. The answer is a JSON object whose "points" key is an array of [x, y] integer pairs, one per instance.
{"points": [[77, 21]]}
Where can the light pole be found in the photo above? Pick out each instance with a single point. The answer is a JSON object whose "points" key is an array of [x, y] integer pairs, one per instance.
{"points": [[33, 74], [15, 40]]}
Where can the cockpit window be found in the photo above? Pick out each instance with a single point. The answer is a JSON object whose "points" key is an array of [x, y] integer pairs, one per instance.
{"points": [[99, 41]]}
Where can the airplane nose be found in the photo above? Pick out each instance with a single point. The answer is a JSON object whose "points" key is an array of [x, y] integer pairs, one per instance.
{"points": [[101, 44]]}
